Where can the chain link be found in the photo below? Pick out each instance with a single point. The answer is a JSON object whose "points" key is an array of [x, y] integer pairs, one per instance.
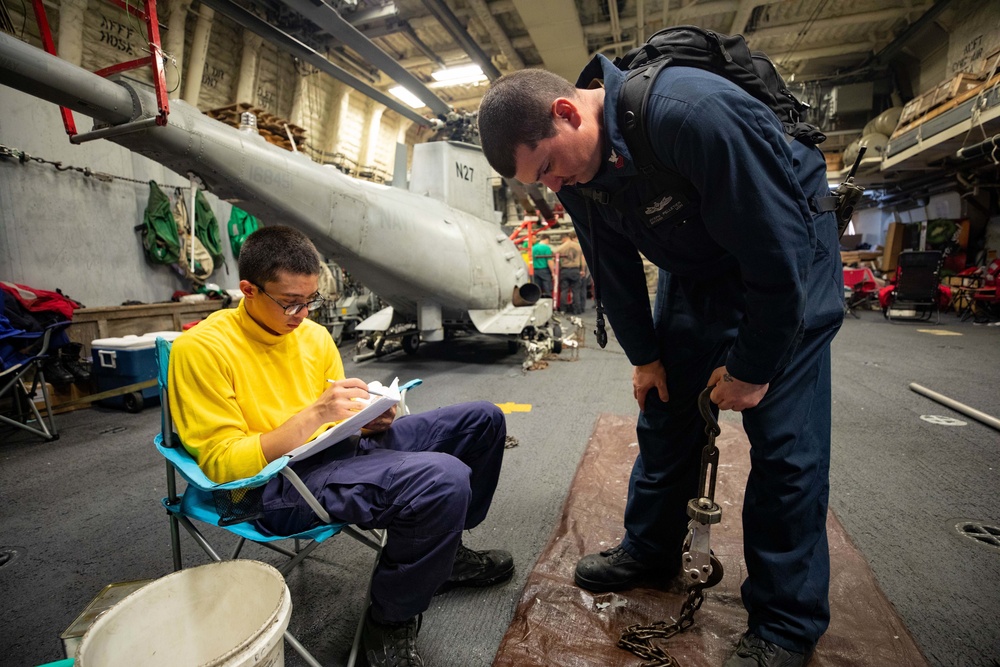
{"points": [[638, 639], [22, 157]]}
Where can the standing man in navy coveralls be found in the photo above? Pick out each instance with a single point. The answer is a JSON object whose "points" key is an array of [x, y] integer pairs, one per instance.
{"points": [[749, 299]]}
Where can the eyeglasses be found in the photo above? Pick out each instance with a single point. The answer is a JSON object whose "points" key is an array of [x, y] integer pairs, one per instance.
{"points": [[294, 308]]}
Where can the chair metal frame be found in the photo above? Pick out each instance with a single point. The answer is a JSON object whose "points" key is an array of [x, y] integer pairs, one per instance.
{"points": [[196, 502], [13, 384]]}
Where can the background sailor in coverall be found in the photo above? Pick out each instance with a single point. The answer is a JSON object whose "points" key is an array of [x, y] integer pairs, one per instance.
{"points": [[749, 297]]}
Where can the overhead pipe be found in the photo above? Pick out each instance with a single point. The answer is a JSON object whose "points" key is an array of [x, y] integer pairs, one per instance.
{"points": [[246, 82], [640, 21], [884, 56], [306, 54], [173, 43], [457, 31], [880, 60], [919, 188], [329, 20], [199, 54], [70, 47], [496, 33]]}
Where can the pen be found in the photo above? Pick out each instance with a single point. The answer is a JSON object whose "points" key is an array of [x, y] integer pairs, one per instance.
{"points": [[370, 391]]}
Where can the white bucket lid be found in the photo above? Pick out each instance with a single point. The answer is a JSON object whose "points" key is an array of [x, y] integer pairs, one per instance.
{"points": [[226, 614]]}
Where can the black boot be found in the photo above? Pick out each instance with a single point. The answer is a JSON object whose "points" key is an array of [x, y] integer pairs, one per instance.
{"points": [[616, 570], [391, 644], [56, 373], [478, 569], [69, 355]]}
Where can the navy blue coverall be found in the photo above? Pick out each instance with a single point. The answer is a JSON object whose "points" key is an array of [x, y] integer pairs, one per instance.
{"points": [[427, 478], [750, 278]]}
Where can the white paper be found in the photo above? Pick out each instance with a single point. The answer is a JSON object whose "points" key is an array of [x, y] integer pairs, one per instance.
{"points": [[382, 398]]}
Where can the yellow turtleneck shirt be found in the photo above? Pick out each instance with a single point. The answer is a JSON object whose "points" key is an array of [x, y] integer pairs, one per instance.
{"points": [[231, 381]]}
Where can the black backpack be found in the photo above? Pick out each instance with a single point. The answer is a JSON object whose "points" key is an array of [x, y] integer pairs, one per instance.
{"points": [[727, 56]]}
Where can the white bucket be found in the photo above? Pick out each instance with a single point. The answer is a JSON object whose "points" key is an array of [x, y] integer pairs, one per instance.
{"points": [[228, 614]]}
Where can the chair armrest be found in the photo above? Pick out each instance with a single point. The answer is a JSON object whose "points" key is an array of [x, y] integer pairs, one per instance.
{"points": [[416, 382], [403, 409], [192, 473]]}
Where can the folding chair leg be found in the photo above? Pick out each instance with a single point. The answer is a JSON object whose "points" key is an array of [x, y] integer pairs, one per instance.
{"points": [[289, 565], [48, 432], [196, 535], [301, 650], [238, 549], [356, 646], [175, 542], [40, 379]]}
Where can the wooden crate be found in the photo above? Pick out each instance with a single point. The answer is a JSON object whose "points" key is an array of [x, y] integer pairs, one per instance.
{"points": [[271, 127], [848, 257], [947, 106], [117, 321], [834, 161], [917, 108]]}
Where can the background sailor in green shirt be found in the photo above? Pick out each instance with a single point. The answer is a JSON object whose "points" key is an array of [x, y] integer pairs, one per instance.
{"points": [[543, 263]]}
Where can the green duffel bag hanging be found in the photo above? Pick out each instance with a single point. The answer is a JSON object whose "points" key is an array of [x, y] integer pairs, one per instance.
{"points": [[206, 227], [159, 230], [241, 225]]}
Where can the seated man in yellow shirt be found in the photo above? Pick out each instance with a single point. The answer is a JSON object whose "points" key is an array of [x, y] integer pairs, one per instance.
{"points": [[251, 383]]}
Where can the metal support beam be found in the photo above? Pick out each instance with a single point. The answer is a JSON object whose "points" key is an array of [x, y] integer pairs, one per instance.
{"points": [[293, 46], [496, 33], [457, 31], [329, 20]]}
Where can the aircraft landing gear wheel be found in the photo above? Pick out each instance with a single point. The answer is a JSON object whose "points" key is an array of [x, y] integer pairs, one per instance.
{"points": [[133, 402], [512, 347], [411, 342]]}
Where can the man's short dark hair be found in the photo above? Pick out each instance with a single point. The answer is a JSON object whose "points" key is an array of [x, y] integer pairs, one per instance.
{"points": [[272, 249], [517, 110]]}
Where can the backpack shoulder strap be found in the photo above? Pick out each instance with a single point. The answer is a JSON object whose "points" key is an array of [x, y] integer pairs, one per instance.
{"points": [[633, 101]]}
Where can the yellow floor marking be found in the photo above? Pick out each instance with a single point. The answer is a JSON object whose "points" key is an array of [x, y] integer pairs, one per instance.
{"points": [[510, 407], [939, 332]]}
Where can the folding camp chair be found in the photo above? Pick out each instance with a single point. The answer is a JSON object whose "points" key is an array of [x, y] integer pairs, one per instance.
{"points": [[984, 303], [233, 505], [917, 286], [861, 290], [22, 377]]}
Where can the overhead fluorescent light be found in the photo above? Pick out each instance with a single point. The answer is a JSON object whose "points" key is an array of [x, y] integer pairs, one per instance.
{"points": [[408, 97], [456, 76]]}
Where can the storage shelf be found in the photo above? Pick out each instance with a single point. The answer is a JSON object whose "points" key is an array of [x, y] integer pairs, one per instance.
{"points": [[922, 147]]}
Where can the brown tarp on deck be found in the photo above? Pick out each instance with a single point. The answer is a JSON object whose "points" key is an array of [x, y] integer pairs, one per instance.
{"points": [[558, 624]]}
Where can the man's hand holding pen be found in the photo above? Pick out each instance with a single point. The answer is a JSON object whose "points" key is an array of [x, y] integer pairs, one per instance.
{"points": [[344, 395]]}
